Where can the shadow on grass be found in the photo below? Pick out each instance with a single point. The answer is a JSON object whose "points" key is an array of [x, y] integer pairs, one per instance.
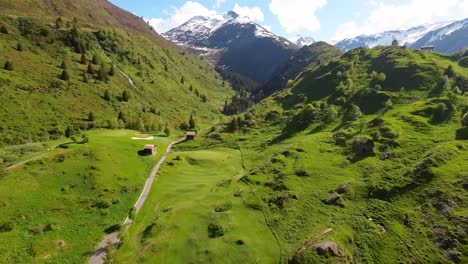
{"points": [[112, 229], [462, 134], [143, 153]]}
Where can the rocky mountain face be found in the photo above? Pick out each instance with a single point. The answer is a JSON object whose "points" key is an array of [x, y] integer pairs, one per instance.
{"points": [[447, 37], [235, 44]]}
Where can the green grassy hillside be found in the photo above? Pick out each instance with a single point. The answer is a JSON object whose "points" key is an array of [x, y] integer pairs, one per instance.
{"points": [[368, 153], [56, 209], [72, 58], [197, 190]]}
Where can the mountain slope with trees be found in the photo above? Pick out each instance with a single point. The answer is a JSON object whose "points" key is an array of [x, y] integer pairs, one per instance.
{"points": [[64, 61]]}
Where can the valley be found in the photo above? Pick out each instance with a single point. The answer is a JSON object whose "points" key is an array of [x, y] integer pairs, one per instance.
{"points": [[263, 151]]}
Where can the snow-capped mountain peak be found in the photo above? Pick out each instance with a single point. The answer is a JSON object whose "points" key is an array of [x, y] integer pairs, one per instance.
{"points": [[403, 36], [301, 41]]}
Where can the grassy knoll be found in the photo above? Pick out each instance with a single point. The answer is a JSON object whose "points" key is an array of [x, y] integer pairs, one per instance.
{"points": [[196, 189], [57, 208]]}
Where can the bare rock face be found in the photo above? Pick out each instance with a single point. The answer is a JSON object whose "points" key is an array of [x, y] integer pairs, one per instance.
{"points": [[327, 249]]}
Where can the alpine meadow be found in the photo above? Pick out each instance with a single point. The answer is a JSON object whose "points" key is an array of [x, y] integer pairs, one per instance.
{"points": [[204, 136]]}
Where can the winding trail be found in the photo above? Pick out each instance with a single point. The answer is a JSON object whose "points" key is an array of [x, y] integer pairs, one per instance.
{"points": [[113, 239]]}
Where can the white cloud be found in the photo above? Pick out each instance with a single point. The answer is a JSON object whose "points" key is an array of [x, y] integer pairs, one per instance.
{"points": [[254, 13], [219, 3], [297, 15], [384, 17], [178, 16]]}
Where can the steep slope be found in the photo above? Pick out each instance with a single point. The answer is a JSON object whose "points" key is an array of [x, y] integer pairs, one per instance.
{"points": [[308, 56], [447, 37], [362, 159], [96, 66], [229, 40]]}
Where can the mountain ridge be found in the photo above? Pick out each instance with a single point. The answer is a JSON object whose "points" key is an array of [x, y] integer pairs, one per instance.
{"points": [[414, 37]]}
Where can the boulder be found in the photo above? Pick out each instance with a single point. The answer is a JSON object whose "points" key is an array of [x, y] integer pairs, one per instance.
{"points": [[363, 147], [342, 189], [327, 249], [376, 122], [332, 199]]}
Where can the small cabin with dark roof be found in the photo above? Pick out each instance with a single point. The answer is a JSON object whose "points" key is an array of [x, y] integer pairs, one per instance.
{"points": [[190, 136], [150, 150]]}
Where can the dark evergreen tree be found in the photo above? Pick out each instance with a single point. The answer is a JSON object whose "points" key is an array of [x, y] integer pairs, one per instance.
{"points": [[102, 73], [85, 77], [58, 23], [192, 122], [91, 117], [83, 59], [95, 59], [19, 47], [450, 72], [90, 68], [8, 66], [112, 71], [107, 95], [65, 75], [395, 43], [64, 65], [3, 29], [125, 96], [182, 80]]}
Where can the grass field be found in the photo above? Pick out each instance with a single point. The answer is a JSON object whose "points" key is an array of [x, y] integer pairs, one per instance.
{"points": [[56, 209], [173, 225]]}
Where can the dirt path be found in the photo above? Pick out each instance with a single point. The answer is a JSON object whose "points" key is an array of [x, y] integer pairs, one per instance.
{"points": [[113, 239]]}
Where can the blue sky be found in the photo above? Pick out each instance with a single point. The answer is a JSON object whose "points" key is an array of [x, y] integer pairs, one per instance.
{"points": [[322, 19]]}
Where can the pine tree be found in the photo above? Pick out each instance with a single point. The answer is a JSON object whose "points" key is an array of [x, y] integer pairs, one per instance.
{"points": [[8, 66], [125, 96], [112, 71], [167, 131], [102, 74], [90, 68], [58, 23], [91, 117], [192, 122], [3, 29], [95, 59], [234, 125], [19, 47], [182, 80], [395, 43], [85, 77], [65, 75], [64, 65], [107, 95], [450, 72], [83, 59]]}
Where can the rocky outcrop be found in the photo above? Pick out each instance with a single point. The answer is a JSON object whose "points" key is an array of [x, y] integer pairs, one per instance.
{"points": [[327, 249]]}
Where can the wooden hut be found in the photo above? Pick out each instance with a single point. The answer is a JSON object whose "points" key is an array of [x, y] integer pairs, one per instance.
{"points": [[150, 150], [190, 136]]}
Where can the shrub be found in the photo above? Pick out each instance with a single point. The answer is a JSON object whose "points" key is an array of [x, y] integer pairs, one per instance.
{"points": [[215, 230]]}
